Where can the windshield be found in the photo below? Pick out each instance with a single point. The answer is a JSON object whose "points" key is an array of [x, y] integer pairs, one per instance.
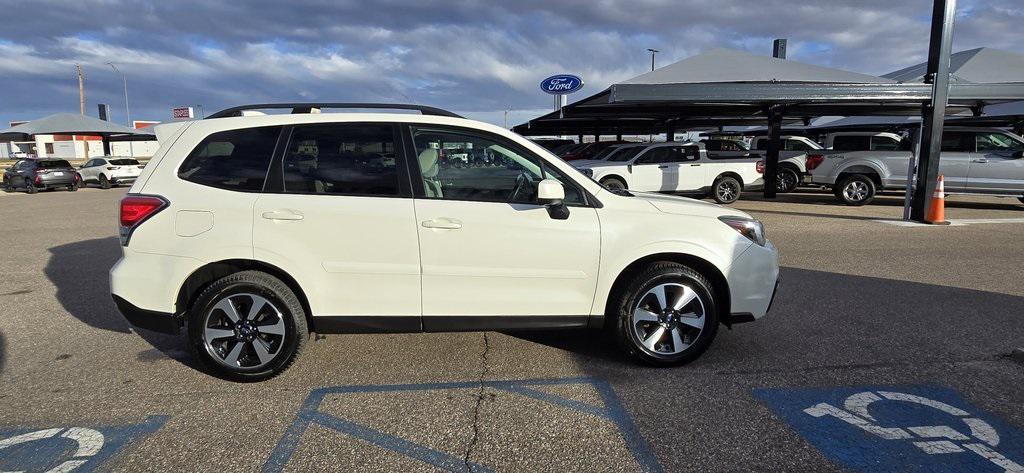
{"points": [[627, 153], [124, 162]]}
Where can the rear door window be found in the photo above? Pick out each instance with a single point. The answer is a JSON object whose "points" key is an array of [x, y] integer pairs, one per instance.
{"points": [[342, 159], [957, 141], [235, 160], [851, 143]]}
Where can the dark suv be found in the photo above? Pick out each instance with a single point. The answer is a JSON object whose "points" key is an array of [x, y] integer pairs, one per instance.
{"points": [[36, 174]]}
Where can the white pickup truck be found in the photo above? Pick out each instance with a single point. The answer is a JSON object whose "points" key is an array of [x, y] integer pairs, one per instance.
{"points": [[683, 168], [985, 161]]}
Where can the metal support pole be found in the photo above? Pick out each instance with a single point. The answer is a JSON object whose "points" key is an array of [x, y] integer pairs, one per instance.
{"points": [[618, 137], [670, 133], [934, 112], [771, 158]]}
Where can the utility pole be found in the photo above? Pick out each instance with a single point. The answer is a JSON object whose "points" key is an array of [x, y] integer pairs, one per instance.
{"points": [[124, 78], [506, 119], [653, 52], [81, 89]]}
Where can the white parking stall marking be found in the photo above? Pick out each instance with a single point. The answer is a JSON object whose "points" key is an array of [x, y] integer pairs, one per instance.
{"points": [[856, 413], [959, 222]]}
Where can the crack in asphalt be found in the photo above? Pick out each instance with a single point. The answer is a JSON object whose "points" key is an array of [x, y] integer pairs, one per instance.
{"points": [[476, 408]]}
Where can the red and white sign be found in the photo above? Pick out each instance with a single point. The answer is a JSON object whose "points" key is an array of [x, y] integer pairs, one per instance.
{"points": [[140, 124], [182, 113]]}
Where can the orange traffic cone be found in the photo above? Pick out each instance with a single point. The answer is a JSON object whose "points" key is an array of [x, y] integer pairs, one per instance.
{"points": [[937, 206]]}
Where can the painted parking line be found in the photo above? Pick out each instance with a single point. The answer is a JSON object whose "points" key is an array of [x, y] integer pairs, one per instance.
{"points": [[957, 222], [311, 413], [65, 449], [901, 428]]}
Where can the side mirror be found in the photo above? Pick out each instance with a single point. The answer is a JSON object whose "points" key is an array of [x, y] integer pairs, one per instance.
{"points": [[629, 168], [551, 194]]}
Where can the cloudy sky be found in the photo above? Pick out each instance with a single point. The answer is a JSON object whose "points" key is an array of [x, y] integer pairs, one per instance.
{"points": [[475, 57]]}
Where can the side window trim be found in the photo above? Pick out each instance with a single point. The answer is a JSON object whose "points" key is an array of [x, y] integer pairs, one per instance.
{"points": [[414, 165]]}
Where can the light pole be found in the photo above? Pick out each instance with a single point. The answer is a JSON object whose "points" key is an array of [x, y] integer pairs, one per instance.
{"points": [[653, 52], [127, 112]]}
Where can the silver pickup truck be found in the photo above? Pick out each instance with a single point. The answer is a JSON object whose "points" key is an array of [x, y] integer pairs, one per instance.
{"points": [[985, 161]]}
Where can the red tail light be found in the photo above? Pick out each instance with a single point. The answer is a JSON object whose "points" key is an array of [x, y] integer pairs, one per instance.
{"points": [[760, 166], [814, 160], [135, 209]]}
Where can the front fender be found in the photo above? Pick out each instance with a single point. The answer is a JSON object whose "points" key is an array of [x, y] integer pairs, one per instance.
{"points": [[615, 267]]}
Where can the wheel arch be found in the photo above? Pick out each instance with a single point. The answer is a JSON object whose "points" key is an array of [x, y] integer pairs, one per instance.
{"points": [[614, 176], [719, 284], [865, 169], [210, 272], [732, 174]]}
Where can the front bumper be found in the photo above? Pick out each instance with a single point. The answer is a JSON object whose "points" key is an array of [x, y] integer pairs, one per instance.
{"points": [[162, 322], [753, 282]]}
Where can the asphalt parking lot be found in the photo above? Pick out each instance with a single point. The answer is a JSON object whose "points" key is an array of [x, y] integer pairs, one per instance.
{"points": [[918, 318]]}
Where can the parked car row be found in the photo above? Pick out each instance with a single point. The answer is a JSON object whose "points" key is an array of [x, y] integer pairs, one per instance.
{"points": [[676, 167], [986, 161], [34, 175]]}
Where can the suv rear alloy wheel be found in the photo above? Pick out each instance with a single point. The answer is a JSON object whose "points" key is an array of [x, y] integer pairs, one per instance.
{"points": [[30, 187], [855, 190], [726, 190], [248, 326], [104, 182], [666, 315]]}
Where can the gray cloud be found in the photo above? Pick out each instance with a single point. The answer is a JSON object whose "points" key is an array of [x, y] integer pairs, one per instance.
{"points": [[472, 56]]}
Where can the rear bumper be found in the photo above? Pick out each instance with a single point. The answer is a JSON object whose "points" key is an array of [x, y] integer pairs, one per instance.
{"points": [[161, 322], [66, 180]]}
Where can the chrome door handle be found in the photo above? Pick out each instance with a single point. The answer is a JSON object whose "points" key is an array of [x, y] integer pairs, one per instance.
{"points": [[980, 160], [282, 215], [442, 223]]}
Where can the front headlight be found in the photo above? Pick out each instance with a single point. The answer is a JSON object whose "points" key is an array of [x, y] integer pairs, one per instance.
{"points": [[748, 227]]}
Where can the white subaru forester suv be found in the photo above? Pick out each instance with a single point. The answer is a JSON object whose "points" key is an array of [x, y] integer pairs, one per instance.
{"points": [[253, 231]]}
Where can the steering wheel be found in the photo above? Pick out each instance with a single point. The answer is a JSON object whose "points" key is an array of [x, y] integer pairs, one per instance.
{"points": [[523, 182]]}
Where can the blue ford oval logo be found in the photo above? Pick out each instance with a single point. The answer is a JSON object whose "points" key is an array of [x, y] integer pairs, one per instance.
{"points": [[561, 84]]}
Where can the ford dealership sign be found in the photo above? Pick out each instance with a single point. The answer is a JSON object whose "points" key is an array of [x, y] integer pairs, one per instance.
{"points": [[561, 84]]}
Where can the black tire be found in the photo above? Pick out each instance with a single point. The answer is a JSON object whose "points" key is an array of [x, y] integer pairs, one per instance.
{"points": [[6, 185], [243, 285], [613, 183], [73, 186], [81, 182], [634, 295], [786, 180], [855, 190], [30, 187], [104, 182], [726, 190]]}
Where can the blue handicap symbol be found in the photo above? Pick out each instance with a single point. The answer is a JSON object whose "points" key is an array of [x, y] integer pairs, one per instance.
{"points": [[69, 448], [310, 413], [899, 428]]}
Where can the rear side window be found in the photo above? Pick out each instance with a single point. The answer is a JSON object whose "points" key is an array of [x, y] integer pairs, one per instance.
{"points": [[233, 160], [342, 159], [851, 143]]}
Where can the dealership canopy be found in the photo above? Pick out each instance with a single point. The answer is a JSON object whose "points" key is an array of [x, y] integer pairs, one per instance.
{"points": [[72, 124]]}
